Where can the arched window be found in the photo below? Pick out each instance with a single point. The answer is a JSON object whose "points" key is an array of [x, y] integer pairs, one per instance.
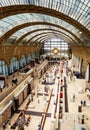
{"points": [[56, 47], [14, 65], [3, 68], [23, 61], [33, 56], [37, 54], [29, 58]]}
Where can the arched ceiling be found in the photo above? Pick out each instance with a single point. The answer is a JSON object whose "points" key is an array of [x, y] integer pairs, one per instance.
{"points": [[41, 38], [12, 31], [54, 33], [20, 19], [29, 34], [31, 31]]}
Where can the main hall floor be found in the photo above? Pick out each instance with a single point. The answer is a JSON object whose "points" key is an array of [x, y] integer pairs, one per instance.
{"points": [[71, 120]]}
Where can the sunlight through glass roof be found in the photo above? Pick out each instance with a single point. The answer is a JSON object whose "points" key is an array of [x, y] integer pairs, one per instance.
{"points": [[79, 10], [12, 21]]}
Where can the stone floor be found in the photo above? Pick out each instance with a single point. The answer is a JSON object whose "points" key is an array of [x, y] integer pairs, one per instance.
{"points": [[69, 119]]}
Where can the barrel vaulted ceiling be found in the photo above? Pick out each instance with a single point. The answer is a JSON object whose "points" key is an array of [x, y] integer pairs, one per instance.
{"points": [[35, 21]]}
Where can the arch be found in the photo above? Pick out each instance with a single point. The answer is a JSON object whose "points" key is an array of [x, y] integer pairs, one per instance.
{"points": [[64, 36], [10, 32], [17, 9], [28, 33]]}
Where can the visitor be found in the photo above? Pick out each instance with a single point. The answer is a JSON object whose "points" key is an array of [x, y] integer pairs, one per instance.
{"points": [[38, 101], [0, 88], [39, 126], [3, 125], [81, 102], [84, 103], [82, 119], [73, 97], [31, 97]]}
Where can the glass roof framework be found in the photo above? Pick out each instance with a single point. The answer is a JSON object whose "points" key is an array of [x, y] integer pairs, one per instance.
{"points": [[35, 33], [10, 22], [32, 37], [23, 40], [41, 28], [79, 10], [42, 38], [28, 29], [25, 30], [68, 40], [45, 37]]}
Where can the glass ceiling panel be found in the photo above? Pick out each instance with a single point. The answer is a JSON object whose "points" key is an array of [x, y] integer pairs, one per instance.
{"points": [[23, 31], [35, 35], [76, 9], [56, 36], [39, 32], [42, 39], [12, 21]]}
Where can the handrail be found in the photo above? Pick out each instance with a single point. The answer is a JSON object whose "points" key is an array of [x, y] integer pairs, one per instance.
{"points": [[8, 104], [3, 95], [11, 95], [40, 67]]}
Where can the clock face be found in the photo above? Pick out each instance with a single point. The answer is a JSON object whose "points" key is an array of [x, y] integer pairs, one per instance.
{"points": [[55, 51]]}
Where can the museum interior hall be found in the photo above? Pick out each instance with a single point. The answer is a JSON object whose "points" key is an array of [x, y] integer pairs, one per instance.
{"points": [[44, 64]]}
